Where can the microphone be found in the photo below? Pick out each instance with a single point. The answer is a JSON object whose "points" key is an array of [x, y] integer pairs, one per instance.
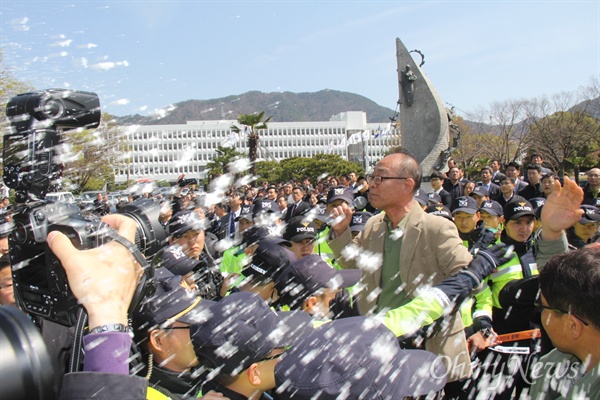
{"points": [[357, 204]]}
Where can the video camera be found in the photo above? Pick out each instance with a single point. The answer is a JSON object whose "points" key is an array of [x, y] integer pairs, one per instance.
{"points": [[30, 167]]}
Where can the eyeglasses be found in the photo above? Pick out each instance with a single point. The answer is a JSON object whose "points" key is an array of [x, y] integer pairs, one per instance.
{"points": [[376, 179], [540, 307]]}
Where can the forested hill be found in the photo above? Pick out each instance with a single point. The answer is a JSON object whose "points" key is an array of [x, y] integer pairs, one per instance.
{"points": [[283, 106]]}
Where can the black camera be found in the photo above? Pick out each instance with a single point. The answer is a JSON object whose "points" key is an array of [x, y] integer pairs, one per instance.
{"points": [[30, 167], [187, 182]]}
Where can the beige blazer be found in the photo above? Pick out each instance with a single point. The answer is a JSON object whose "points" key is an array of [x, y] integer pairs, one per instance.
{"points": [[431, 251]]}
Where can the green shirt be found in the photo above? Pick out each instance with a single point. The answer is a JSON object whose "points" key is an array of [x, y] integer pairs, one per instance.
{"points": [[392, 289]]}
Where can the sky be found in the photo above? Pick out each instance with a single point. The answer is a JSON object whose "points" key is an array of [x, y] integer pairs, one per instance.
{"points": [[141, 56]]}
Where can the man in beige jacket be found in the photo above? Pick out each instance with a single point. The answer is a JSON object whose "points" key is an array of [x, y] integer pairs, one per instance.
{"points": [[403, 250]]}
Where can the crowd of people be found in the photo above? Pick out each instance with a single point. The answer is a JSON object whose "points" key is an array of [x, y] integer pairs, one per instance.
{"points": [[475, 289]]}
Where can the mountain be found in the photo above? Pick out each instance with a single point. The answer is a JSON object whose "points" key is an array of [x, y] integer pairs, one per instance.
{"points": [[283, 106]]}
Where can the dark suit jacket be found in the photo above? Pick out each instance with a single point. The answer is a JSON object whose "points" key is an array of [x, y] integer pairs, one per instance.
{"points": [[494, 191], [301, 209]]}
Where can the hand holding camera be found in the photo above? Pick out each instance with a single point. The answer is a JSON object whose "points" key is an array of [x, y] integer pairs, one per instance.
{"points": [[104, 278]]}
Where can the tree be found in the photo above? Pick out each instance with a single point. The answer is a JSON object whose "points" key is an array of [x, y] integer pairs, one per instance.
{"points": [[502, 130], [251, 124], [90, 156], [218, 165], [269, 171], [566, 139], [319, 165]]}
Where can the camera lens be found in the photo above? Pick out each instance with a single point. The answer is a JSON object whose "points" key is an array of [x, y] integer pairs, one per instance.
{"points": [[150, 235], [53, 109], [20, 232], [25, 366]]}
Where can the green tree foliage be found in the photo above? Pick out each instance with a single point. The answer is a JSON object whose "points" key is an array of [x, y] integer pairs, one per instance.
{"points": [[251, 124], [269, 171], [317, 166], [218, 165]]}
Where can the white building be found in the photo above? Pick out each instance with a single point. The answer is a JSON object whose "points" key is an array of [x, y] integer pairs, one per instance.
{"points": [[162, 152]]}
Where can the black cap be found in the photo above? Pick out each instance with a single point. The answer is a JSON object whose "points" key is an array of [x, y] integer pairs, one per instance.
{"points": [[173, 300], [591, 214], [464, 204], [359, 219], [309, 274], [267, 262], [440, 211], [377, 369], [492, 207], [300, 228], [184, 221], [244, 330], [434, 198], [245, 213], [480, 191], [516, 209], [264, 206], [421, 197], [340, 192], [538, 205]]}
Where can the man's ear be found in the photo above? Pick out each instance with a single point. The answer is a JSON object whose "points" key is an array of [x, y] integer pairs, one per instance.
{"points": [[575, 327], [155, 340], [310, 303], [253, 373]]}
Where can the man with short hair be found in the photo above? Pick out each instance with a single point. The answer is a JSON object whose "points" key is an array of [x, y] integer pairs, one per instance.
{"points": [[437, 179], [534, 189], [570, 294], [591, 189], [228, 223], [537, 159], [496, 174], [298, 206], [407, 249], [513, 171], [272, 193], [453, 184], [486, 182]]}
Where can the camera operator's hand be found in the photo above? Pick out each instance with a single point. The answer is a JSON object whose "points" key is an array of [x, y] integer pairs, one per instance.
{"points": [[103, 279]]}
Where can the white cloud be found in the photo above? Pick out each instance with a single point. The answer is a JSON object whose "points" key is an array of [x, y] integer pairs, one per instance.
{"points": [[109, 65]]}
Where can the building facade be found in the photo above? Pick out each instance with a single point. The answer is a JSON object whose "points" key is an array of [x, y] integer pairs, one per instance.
{"points": [[162, 152]]}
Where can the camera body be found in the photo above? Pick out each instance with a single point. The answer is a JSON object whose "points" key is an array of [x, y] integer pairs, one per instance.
{"points": [[31, 167], [187, 182]]}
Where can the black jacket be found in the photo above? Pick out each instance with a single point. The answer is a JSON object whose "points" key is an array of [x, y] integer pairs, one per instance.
{"points": [[301, 209], [102, 385]]}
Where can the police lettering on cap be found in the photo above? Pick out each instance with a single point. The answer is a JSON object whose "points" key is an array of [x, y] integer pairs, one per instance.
{"points": [[492, 207], [464, 204], [299, 228], [517, 209], [267, 262], [184, 221], [340, 192], [440, 211], [591, 215]]}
